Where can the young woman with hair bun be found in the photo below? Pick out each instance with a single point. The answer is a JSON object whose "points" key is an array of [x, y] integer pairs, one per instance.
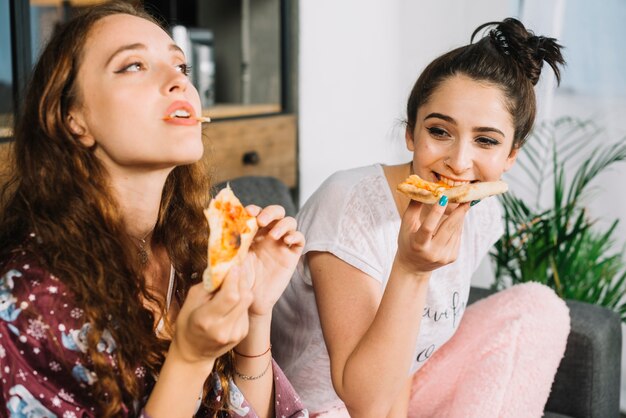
{"points": [[374, 322]]}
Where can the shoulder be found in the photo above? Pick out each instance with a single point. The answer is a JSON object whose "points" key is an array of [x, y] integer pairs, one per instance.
{"points": [[29, 283], [358, 200], [36, 308], [363, 185], [354, 217]]}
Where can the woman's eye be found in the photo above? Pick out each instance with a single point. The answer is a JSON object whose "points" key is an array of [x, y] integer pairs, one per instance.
{"points": [[486, 141], [438, 132], [131, 68], [184, 68]]}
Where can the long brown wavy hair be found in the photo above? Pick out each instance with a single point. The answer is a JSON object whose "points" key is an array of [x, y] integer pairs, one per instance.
{"points": [[60, 191]]}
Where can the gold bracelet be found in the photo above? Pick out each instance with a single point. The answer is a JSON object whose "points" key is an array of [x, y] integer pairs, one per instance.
{"points": [[246, 377]]}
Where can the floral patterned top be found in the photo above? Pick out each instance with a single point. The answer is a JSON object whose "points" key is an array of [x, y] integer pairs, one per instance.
{"points": [[42, 338]]}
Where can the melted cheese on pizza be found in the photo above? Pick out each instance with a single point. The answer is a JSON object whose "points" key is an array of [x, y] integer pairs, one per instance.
{"points": [[234, 224], [416, 181]]}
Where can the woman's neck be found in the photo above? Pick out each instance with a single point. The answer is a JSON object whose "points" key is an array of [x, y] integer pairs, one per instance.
{"points": [[139, 199], [396, 174]]}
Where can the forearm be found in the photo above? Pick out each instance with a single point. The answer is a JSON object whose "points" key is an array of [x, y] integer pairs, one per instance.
{"points": [[178, 386], [253, 366], [377, 369]]}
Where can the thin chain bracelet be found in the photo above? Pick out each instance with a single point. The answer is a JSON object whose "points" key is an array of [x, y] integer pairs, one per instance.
{"points": [[246, 377]]}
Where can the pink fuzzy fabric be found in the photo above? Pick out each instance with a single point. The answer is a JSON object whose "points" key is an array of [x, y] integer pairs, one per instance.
{"points": [[500, 363]]}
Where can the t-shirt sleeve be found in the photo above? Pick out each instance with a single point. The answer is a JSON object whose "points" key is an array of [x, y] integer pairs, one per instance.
{"points": [[343, 217]]}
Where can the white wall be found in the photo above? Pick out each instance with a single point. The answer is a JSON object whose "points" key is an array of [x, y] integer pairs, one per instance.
{"points": [[358, 62]]}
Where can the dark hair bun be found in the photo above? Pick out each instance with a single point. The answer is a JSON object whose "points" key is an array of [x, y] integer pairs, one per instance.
{"points": [[511, 38]]}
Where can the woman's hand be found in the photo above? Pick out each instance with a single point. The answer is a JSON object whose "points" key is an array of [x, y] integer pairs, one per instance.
{"points": [[274, 254], [210, 324], [433, 243]]}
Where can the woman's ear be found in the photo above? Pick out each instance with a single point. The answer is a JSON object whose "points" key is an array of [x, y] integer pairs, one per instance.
{"points": [[79, 129], [408, 137], [510, 160]]}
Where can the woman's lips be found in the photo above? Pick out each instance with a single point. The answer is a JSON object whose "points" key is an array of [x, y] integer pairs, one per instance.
{"points": [[181, 112], [181, 121]]}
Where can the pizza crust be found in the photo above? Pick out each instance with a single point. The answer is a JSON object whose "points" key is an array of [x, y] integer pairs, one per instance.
{"points": [[459, 194], [229, 241]]}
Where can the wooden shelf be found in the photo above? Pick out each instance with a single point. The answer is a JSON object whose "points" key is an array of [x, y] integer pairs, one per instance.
{"points": [[223, 111], [252, 147], [4, 162], [6, 121], [60, 2]]}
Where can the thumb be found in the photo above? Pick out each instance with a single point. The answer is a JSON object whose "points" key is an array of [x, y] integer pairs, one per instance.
{"points": [[247, 272]]}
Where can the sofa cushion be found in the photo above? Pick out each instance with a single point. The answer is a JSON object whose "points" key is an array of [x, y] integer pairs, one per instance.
{"points": [[261, 191]]}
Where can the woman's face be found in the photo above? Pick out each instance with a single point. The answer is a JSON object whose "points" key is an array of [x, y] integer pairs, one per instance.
{"points": [[463, 133], [131, 78]]}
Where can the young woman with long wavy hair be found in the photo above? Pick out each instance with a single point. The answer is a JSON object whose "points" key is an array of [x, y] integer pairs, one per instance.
{"points": [[103, 243]]}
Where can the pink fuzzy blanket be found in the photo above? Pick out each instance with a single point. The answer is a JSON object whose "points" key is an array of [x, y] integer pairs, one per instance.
{"points": [[500, 363]]}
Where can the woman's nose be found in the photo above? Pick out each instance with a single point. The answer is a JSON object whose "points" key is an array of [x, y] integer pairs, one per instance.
{"points": [[460, 158], [175, 80]]}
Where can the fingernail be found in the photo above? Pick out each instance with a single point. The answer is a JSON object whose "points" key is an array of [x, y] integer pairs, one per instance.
{"points": [[443, 200], [474, 202]]}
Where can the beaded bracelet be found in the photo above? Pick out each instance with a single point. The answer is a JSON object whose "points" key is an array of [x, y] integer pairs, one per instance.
{"points": [[246, 377], [259, 355]]}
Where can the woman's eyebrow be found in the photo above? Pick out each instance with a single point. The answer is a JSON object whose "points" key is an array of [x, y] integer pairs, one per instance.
{"points": [[452, 121], [139, 46], [176, 48], [129, 47], [441, 116], [488, 129]]}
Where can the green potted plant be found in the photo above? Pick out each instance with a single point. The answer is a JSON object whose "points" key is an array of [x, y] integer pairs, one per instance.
{"points": [[555, 242]]}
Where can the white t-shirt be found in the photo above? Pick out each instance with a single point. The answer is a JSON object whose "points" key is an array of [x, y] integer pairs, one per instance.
{"points": [[353, 216]]}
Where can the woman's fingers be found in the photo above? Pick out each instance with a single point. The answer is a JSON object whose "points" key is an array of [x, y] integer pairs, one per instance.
{"points": [[232, 294], [282, 227], [237, 318], [452, 225], [209, 324], [435, 241], [294, 239], [253, 210], [411, 218], [270, 214], [431, 222]]}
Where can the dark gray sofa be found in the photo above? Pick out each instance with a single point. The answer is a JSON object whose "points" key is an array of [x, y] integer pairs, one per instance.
{"points": [[587, 384]]}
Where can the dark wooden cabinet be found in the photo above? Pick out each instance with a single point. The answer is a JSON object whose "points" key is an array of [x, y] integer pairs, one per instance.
{"points": [[253, 49]]}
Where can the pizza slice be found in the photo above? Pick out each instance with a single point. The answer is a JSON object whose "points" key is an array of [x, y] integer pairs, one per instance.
{"points": [[428, 192], [231, 231]]}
